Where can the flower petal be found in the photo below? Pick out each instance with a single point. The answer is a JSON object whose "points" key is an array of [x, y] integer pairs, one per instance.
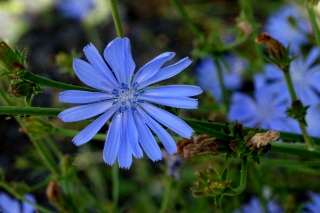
{"points": [[169, 120], [79, 113], [177, 102], [125, 154], [167, 72], [118, 56], [147, 140], [312, 56], [83, 97], [243, 109], [88, 75], [163, 135], [99, 65], [91, 130], [150, 69], [131, 134], [112, 145], [173, 91]]}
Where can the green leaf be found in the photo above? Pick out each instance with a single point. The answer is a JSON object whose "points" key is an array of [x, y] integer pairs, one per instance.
{"points": [[203, 127]]}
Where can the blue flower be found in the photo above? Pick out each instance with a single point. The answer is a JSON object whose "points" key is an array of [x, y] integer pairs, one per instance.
{"points": [[128, 99], [289, 27], [255, 206], [314, 205], [207, 75], [8, 204], [76, 9], [304, 75], [267, 109]]}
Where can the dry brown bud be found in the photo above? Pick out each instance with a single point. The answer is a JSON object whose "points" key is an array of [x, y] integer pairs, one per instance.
{"points": [[52, 191], [275, 48], [201, 145], [263, 139]]}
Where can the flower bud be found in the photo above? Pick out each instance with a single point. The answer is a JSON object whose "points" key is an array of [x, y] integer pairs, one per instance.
{"points": [[10, 60], [276, 49]]}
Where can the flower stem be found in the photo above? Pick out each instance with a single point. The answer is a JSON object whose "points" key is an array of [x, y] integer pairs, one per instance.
{"points": [[166, 196], [187, 18], [289, 84], [298, 149], [37, 142], [26, 111], [243, 178], [71, 133], [27, 75], [42, 149], [116, 18], [313, 22], [307, 140], [246, 8], [115, 187]]}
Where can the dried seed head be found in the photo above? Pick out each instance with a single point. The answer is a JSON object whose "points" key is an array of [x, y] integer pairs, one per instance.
{"points": [[263, 139]]}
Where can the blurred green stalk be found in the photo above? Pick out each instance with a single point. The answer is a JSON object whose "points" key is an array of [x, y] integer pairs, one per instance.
{"points": [[116, 18]]}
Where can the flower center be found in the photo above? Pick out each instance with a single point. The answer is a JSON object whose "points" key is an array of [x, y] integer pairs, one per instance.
{"points": [[127, 97]]}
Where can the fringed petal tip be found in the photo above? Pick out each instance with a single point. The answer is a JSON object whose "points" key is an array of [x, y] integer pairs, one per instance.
{"points": [[124, 167], [190, 135], [157, 159]]}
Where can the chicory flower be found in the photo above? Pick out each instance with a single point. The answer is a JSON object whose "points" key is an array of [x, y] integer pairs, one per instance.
{"points": [[125, 99]]}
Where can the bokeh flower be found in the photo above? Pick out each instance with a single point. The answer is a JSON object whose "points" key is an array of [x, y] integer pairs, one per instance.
{"points": [[288, 26], [207, 75], [76, 9], [128, 99], [267, 108], [314, 205], [305, 77], [8, 204], [255, 206]]}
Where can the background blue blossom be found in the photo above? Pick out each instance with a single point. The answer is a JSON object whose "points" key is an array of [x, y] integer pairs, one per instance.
{"points": [[207, 74], [266, 109], [314, 205], [76, 9], [254, 206], [11, 205], [289, 26], [305, 78]]}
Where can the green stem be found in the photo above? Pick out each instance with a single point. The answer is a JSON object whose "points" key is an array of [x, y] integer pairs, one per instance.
{"points": [[26, 111], [307, 140], [115, 186], [313, 22], [54, 149], [288, 79], [72, 133], [116, 18], [41, 148], [166, 196], [221, 82], [298, 149], [187, 19], [243, 178], [246, 7], [27, 75]]}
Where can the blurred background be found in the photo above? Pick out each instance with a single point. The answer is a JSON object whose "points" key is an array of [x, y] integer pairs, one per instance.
{"points": [[55, 32]]}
